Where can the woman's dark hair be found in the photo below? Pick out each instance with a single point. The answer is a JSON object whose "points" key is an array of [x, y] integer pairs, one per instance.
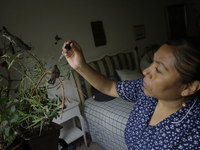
{"points": [[187, 56]]}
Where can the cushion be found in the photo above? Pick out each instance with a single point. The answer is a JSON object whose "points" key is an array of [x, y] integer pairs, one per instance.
{"points": [[126, 74], [115, 77], [99, 96]]}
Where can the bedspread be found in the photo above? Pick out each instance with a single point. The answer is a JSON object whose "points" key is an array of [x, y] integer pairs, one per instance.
{"points": [[106, 121]]}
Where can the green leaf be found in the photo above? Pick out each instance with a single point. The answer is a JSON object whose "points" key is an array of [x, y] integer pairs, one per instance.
{"points": [[36, 122], [5, 86], [4, 123], [21, 113], [7, 55], [58, 87], [18, 55], [11, 136], [33, 101], [14, 119], [7, 130], [41, 125], [13, 108], [11, 64], [15, 100]]}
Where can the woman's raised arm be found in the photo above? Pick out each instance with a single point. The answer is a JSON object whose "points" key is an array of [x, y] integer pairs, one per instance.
{"points": [[77, 61]]}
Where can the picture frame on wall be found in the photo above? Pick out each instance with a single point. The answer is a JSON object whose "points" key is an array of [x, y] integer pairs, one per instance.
{"points": [[98, 33], [139, 32], [176, 18]]}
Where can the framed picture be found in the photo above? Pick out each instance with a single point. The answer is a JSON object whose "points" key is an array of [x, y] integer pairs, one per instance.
{"points": [[139, 32], [98, 33], [176, 18]]}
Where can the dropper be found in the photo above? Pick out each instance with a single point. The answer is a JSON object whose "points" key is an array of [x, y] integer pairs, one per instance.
{"points": [[68, 47]]}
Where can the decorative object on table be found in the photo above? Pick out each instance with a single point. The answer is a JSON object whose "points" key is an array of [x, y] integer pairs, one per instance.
{"points": [[139, 32], [98, 33], [28, 111], [57, 38], [176, 17]]}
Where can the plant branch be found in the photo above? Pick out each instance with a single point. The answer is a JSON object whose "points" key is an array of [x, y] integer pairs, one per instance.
{"points": [[40, 81]]}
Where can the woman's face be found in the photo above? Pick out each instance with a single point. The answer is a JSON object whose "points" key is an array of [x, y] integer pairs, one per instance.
{"points": [[161, 79]]}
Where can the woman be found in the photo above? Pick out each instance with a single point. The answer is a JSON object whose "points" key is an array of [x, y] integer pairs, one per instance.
{"points": [[166, 114]]}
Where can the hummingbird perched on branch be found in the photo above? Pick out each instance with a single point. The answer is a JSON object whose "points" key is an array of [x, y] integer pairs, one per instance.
{"points": [[54, 75], [15, 40]]}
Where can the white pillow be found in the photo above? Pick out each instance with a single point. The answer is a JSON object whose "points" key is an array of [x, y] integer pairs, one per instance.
{"points": [[126, 74]]}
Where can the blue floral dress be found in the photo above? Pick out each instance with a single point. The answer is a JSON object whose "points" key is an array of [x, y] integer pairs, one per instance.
{"points": [[180, 130]]}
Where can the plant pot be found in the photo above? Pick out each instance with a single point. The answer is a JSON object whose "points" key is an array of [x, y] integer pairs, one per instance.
{"points": [[47, 141]]}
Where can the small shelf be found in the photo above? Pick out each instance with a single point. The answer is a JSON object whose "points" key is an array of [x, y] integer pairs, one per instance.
{"points": [[73, 134]]}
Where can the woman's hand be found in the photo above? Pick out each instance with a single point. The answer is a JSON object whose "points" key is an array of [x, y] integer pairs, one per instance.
{"points": [[74, 56]]}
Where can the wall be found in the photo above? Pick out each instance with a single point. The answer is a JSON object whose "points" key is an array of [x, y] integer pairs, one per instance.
{"points": [[37, 22]]}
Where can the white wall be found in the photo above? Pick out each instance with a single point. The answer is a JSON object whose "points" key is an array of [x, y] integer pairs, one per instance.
{"points": [[39, 21]]}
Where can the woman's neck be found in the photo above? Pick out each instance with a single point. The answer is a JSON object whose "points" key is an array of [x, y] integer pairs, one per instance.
{"points": [[171, 105], [163, 109]]}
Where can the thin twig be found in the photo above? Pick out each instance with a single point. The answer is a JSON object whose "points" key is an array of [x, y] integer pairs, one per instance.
{"points": [[76, 88]]}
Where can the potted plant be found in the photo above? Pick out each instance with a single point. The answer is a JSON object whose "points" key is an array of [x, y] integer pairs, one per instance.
{"points": [[27, 108]]}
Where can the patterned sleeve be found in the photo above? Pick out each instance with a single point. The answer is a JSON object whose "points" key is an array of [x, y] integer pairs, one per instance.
{"points": [[130, 90]]}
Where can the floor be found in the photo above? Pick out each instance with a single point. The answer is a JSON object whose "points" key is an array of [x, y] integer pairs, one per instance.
{"points": [[80, 145]]}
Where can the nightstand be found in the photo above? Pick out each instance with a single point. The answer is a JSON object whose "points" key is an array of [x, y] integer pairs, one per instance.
{"points": [[73, 132]]}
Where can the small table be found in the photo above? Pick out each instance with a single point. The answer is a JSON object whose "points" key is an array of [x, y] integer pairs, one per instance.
{"points": [[74, 132]]}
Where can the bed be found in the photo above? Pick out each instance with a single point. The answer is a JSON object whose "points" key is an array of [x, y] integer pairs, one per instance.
{"points": [[106, 117]]}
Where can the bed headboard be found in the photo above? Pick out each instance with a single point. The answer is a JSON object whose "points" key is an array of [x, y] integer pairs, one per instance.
{"points": [[107, 66]]}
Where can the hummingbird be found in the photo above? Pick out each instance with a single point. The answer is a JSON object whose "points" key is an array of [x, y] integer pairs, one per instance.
{"points": [[15, 40], [57, 38], [54, 75]]}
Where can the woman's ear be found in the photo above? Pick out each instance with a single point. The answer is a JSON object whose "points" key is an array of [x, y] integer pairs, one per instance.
{"points": [[191, 88]]}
